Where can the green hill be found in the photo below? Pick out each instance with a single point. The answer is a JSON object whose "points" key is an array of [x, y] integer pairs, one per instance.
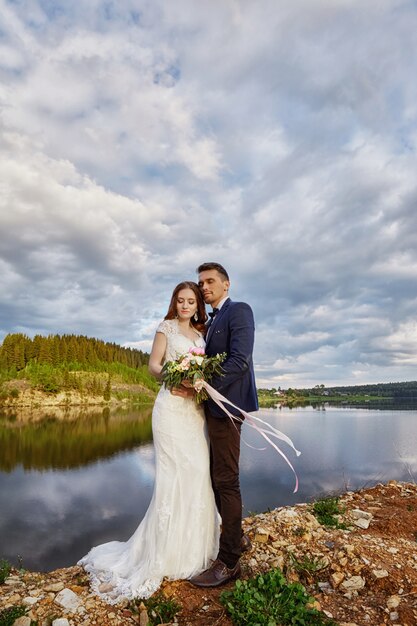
{"points": [[76, 368]]}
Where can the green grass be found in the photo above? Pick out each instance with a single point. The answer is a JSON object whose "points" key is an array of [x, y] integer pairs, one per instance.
{"points": [[160, 609], [89, 380], [327, 510], [5, 569], [306, 567], [269, 600], [9, 615]]}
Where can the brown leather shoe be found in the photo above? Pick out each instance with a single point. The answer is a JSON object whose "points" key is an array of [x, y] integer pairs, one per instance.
{"points": [[245, 543], [217, 574]]}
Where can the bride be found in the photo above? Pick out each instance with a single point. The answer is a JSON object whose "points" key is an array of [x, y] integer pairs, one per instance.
{"points": [[179, 535]]}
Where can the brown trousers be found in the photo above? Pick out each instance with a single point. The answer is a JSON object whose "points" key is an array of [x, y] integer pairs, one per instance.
{"points": [[224, 468]]}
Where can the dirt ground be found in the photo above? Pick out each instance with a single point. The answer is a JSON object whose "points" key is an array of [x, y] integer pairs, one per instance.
{"points": [[367, 574], [387, 546]]}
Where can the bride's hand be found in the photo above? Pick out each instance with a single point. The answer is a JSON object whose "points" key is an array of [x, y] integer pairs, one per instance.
{"points": [[199, 384], [183, 391]]}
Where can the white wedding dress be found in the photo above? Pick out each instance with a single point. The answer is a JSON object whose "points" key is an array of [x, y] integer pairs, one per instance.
{"points": [[179, 535]]}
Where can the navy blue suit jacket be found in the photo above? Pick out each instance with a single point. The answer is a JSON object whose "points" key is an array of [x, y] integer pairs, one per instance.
{"points": [[233, 332]]}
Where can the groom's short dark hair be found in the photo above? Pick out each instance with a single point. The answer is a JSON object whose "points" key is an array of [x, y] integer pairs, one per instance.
{"points": [[213, 266]]}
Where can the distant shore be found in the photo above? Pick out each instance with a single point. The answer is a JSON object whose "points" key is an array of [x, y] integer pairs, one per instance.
{"points": [[285, 399]]}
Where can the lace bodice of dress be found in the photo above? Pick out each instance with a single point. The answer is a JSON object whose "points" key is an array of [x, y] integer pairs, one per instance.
{"points": [[177, 343]]}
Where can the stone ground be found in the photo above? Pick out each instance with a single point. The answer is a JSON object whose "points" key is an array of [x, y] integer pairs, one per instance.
{"points": [[366, 575]]}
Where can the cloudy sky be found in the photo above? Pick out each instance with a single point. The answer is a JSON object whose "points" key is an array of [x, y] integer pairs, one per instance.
{"points": [[139, 138]]}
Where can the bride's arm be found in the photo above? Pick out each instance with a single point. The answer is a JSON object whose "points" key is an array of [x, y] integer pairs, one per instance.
{"points": [[157, 354]]}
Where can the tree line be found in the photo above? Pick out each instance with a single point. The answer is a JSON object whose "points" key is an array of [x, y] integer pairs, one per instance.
{"points": [[383, 390], [18, 350]]}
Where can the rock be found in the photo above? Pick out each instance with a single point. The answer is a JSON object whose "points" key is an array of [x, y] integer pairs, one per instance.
{"points": [[68, 600], [359, 514], [312, 521], [13, 580], [143, 615], [55, 587], [337, 578], [90, 603], [353, 584], [328, 614], [362, 523], [380, 573], [393, 602], [261, 535], [278, 562], [29, 601], [15, 598], [61, 621], [22, 621], [375, 509], [393, 616], [362, 519]]}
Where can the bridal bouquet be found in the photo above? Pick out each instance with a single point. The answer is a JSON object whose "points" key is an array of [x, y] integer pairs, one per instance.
{"points": [[192, 366]]}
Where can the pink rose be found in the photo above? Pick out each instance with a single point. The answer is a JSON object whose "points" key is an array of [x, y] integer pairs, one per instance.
{"points": [[196, 351]]}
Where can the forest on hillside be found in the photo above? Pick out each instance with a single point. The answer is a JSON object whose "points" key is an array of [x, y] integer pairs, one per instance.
{"points": [[55, 363], [18, 350]]}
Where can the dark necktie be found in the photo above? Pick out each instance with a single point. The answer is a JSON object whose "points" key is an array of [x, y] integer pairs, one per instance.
{"points": [[213, 313]]}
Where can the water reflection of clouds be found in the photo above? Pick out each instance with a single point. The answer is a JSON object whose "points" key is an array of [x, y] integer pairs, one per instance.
{"points": [[59, 515], [52, 518], [341, 449], [144, 461]]}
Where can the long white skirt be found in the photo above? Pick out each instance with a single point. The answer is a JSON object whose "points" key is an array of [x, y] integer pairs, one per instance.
{"points": [[179, 535]]}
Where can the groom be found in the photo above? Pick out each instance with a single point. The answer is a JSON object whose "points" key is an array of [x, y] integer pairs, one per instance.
{"points": [[231, 330]]}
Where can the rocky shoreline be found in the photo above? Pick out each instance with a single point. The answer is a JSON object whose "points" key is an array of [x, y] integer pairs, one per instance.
{"points": [[365, 574], [32, 405]]}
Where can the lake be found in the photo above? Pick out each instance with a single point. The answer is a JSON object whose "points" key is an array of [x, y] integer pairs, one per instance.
{"points": [[66, 485]]}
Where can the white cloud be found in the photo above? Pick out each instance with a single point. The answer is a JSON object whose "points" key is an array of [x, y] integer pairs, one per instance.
{"points": [[138, 140]]}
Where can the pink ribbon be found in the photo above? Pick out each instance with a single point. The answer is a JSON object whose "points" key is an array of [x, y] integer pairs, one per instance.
{"points": [[251, 420]]}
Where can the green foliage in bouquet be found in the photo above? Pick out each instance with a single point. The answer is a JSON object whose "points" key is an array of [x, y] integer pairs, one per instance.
{"points": [[191, 367]]}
